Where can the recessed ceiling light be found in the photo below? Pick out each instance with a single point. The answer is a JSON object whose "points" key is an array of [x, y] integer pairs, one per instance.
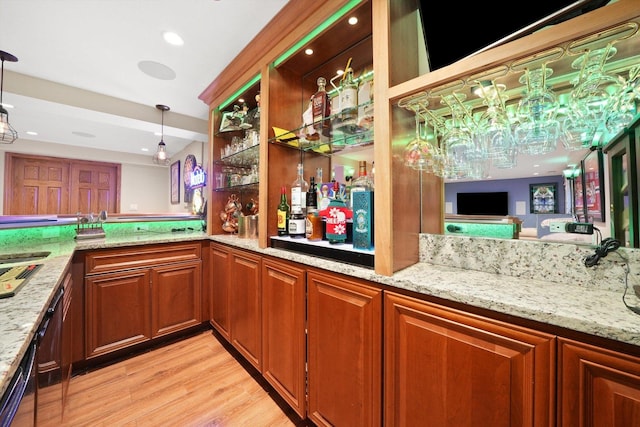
{"points": [[353, 20], [145, 149], [157, 70], [172, 38], [308, 51], [30, 132]]}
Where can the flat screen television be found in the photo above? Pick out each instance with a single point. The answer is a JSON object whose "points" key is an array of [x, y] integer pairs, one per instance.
{"points": [[461, 30], [489, 203]]}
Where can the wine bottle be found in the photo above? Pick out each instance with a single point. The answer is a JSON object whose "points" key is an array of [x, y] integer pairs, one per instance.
{"points": [[362, 206], [299, 189], [283, 213]]}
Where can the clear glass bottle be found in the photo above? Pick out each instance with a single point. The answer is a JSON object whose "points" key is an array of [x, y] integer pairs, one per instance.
{"points": [[362, 182], [348, 99], [321, 108], [299, 189], [283, 213]]}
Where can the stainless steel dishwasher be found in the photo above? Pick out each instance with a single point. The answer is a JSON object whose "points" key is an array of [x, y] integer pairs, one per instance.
{"points": [[49, 366], [18, 405]]}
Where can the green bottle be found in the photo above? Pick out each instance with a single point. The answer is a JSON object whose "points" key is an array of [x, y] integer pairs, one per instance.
{"points": [[283, 213]]}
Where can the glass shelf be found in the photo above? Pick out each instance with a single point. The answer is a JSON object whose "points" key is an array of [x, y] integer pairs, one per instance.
{"points": [[343, 136], [253, 186], [244, 158]]}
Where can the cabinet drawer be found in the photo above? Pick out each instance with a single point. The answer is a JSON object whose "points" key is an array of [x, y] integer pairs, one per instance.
{"points": [[107, 260]]}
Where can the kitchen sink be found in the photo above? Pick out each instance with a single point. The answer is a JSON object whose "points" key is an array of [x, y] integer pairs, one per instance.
{"points": [[23, 256]]}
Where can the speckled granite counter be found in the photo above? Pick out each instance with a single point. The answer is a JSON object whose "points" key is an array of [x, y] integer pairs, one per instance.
{"points": [[21, 315], [544, 282]]}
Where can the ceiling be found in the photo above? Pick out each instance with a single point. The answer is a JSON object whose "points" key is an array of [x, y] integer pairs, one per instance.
{"points": [[79, 79]]}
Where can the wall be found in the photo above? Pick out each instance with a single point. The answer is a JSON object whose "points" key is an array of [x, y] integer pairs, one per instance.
{"points": [[145, 187], [518, 190]]}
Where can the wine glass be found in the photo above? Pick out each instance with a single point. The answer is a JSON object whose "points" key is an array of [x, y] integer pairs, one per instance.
{"points": [[419, 153]]}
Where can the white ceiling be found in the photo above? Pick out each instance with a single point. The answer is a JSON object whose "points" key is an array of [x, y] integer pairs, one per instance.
{"points": [[77, 80]]}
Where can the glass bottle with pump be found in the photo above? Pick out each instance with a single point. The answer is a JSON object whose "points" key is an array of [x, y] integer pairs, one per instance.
{"points": [[321, 109], [348, 99], [283, 213], [299, 189]]}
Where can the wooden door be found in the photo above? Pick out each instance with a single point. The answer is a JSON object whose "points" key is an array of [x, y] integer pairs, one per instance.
{"points": [[598, 387], [39, 185], [36, 185], [344, 351], [94, 187], [219, 289], [283, 331], [176, 291], [447, 368], [246, 311]]}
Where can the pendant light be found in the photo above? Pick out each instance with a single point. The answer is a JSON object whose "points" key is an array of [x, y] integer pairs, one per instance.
{"points": [[7, 133], [160, 157]]}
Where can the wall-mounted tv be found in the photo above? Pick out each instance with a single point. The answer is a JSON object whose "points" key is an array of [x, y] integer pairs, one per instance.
{"points": [[462, 30], [489, 203]]}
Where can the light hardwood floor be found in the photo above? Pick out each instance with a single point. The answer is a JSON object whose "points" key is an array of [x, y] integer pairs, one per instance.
{"points": [[192, 382]]}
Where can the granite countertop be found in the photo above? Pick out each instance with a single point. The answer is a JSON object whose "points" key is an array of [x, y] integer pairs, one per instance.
{"points": [[21, 314], [594, 310]]}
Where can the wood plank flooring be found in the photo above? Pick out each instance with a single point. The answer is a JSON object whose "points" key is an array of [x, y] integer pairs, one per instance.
{"points": [[190, 383]]}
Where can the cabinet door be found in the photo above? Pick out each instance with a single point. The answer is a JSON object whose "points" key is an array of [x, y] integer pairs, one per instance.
{"points": [[447, 368], [597, 387], [283, 331], [245, 309], [176, 291], [219, 291], [344, 351], [118, 311]]}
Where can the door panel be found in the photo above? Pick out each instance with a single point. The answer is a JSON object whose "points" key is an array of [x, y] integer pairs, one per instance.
{"points": [[39, 185]]}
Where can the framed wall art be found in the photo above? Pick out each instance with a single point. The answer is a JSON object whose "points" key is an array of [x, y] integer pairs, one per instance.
{"points": [[543, 198], [175, 182]]}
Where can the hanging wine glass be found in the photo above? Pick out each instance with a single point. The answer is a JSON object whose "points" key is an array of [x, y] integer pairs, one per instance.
{"points": [[419, 153], [495, 127], [538, 130], [464, 155], [623, 104]]}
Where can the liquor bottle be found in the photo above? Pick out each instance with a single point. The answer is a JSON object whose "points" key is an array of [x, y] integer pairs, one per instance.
{"points": [[348, 99], [362, 206], [314, 221], [283, 213], [363, 181], [297, 223], [299, 189], [321, 109]]}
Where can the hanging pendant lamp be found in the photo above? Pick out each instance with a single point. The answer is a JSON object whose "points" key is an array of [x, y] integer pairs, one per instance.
{"points": [[7, 133], [160, 156]]}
